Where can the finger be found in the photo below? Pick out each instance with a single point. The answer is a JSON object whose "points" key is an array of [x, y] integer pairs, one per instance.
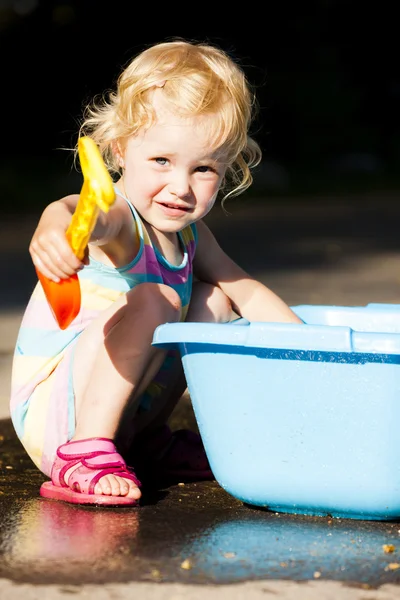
{"points": [[47, 262], [62, 254], [40, 266], [63, 267], [56, 256]]}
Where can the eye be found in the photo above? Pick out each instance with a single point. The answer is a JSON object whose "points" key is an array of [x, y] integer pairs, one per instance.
{"points": [[205, 169], [161, 161]]}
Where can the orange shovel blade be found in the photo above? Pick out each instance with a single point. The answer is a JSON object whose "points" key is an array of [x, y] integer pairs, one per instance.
{"points": [[63, 297]]}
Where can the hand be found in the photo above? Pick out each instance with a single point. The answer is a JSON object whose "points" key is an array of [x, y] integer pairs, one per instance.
{"points": [[49, 248]]}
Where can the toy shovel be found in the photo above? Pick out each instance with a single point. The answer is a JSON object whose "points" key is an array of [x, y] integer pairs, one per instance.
{"points": [[97, 193]]}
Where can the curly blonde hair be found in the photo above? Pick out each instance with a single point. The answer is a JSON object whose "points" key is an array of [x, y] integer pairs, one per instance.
{"points": [[200, 79]]}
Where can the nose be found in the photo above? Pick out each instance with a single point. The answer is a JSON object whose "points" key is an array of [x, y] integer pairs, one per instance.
{"points": [[180, 184]]}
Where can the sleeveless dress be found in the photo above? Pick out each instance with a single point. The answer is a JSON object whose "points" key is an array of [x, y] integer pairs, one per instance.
{"points": [[42, 401]]}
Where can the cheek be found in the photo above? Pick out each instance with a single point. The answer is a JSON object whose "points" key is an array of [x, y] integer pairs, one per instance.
{"points": [[144, 184], [206, 199], [209, 189], [214, 193]]}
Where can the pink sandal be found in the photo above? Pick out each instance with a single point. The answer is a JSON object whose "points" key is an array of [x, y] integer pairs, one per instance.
{"points": [[78, 467], [166, 456]]}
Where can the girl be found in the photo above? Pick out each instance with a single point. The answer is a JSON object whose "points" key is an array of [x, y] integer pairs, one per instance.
{"points": [[92, 399]]}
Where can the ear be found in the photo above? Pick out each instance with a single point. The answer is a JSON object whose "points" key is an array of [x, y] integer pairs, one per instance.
{"points": [[118, 153]]}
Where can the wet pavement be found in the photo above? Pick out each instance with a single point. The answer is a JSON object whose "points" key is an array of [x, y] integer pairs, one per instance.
{"points": [[193, 533], [197, 534]]}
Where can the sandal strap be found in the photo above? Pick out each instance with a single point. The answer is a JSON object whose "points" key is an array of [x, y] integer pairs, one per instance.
{"points": [[113, 460], [85, 462], [85, 448]]}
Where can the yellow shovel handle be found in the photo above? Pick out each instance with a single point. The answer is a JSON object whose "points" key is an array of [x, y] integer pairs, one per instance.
{"points": [[97, 193]]}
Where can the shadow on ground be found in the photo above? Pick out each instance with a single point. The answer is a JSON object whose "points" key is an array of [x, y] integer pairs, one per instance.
{"points": [[193, 533]]}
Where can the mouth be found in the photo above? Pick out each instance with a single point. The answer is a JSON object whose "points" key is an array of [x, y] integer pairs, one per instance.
{"points": [[174, 209]]}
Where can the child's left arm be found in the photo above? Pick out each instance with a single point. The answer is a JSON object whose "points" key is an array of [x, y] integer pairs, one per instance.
{"points": [[250, 298]]}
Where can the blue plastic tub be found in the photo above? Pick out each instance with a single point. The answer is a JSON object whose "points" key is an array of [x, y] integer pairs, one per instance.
{"points": [[300, 418]]}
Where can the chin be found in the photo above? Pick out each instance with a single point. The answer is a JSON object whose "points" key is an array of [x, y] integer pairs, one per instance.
{"points": [[172, 229]]}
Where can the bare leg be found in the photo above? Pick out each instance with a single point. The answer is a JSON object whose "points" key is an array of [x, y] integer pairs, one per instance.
{"points": [[208, 305], [114, 363]]}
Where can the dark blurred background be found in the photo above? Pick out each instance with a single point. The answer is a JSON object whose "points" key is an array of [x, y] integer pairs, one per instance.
{"points": [[326, 74]]}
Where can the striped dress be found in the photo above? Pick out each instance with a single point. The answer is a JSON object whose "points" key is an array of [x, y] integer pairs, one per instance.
{"points": [[42, 397]]}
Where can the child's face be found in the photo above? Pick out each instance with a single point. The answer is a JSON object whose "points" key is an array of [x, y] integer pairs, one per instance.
{"points": [[171, 175]]}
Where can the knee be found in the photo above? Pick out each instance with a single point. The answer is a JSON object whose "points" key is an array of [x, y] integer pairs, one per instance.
{"points": [[209, 304], [159, 302], [220, 305]]}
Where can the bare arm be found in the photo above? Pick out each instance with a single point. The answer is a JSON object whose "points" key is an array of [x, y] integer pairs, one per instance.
{"points": [[49, 247], [250, 298]]}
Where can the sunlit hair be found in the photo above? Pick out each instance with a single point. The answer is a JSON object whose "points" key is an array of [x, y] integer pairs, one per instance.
{"points": [[200, 80]]}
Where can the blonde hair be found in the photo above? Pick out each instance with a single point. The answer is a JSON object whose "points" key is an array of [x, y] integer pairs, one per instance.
{"points": [[197, 79]]}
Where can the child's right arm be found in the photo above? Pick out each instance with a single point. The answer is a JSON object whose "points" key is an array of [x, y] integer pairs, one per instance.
{"points": [[49, 247]]}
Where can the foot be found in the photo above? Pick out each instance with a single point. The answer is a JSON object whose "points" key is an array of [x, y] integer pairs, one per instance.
{"points": [[112, 485], [91, 471]]}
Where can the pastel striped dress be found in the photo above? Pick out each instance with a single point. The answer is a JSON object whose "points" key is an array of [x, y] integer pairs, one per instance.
{"points": [[42, 397]]}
